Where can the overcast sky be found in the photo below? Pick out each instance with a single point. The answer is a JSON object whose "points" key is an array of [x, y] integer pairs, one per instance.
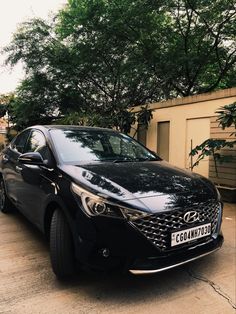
{"points": [[13, 12]]}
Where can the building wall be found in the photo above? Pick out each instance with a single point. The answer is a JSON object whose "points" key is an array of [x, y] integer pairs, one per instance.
{"points": [[3, 131], [181, 112]]}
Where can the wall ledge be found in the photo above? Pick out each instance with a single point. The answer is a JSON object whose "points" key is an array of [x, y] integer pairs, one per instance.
{"points": [[223, 93]]}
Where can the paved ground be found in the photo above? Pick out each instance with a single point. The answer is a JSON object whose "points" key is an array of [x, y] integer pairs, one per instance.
{"points": [[27, 284]]}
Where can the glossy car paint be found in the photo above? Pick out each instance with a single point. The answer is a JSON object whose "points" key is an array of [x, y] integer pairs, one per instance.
{"points": [[150, 186]]}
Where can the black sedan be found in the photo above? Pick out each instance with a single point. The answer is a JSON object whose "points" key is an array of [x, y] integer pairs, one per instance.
{"points": [[106, 202]]}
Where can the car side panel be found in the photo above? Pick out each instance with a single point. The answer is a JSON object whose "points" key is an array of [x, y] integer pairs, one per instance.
{"points": [[10, 174]]}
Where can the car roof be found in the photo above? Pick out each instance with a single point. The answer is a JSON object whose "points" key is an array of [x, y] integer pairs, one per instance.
{"points": [[70, 127]]}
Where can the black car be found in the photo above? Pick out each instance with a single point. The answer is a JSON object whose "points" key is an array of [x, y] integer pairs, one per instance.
{"points": [[106, 202]]}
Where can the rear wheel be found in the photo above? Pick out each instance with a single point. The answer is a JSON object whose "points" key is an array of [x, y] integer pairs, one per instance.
{"points": [[61, 246], [5, 204]]}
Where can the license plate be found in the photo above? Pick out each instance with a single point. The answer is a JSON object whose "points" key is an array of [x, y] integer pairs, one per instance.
{"points": [[190, 234]]}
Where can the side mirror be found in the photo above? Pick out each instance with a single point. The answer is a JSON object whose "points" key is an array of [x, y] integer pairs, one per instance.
{"points": [[33, 158]]}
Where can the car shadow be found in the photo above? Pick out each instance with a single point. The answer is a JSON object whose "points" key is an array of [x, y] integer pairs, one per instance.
{"points": [[120, 288]]}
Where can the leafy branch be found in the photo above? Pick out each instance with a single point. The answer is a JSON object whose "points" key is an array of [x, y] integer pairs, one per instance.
{"points": [[212, 147]]}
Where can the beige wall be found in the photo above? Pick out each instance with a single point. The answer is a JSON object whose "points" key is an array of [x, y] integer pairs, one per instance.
{"points": [[178, 112], [197, 131]]}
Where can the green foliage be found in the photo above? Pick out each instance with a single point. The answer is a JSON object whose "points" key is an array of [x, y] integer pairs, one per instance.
{"points": [[6, 109], [144, 116], [227, 116], [35, 102], [121, 121], [212, 147], [6, 101], [99, 58]]}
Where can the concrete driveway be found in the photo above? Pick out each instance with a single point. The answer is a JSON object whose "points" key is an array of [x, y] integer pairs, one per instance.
{"points": [[27, 284]]}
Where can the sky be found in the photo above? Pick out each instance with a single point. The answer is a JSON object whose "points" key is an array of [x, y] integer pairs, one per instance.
{"points": [[12, 13]]}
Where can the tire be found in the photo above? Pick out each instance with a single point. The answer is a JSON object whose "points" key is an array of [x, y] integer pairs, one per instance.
{"points": [[61, 246], [5, 204]]}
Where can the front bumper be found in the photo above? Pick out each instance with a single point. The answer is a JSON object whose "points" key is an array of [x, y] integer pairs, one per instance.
{"points": [[152, 265], [130, 249]]}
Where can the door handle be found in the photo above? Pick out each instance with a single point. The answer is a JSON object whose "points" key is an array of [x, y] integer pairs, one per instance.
{"points": [[18, 168]]}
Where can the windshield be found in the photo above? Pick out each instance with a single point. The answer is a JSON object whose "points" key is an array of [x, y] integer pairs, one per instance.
{"points": [[79, 145]]}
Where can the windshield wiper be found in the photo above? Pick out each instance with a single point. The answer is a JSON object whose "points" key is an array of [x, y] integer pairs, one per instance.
{"points": [[134, 159], [127, 159]]}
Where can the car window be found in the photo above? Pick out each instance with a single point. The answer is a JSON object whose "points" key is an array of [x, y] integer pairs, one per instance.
{"points": [[97, 145], [116, 144], [19, 143], [123, 148], [37, 143]]}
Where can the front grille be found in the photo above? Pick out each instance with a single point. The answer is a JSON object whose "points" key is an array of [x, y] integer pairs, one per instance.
{"points": [[158, 227]]}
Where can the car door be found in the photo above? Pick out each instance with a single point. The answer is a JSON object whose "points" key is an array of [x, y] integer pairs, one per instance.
{"points": [[35, 180], [10, 167]]}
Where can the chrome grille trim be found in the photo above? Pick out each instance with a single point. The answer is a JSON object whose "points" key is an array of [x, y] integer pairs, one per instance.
{"points": [[157, 227]]}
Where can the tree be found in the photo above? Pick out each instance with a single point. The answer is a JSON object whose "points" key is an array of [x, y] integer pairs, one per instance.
{"points": [[36, 102], [6, 101], [205, 47], [44, 94], [99, 58]]}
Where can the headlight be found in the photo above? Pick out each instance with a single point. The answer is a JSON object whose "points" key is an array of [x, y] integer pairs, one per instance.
{"points": [[95, 205]]}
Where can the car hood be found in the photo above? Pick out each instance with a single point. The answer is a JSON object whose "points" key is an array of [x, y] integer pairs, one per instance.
{"points": [[150, 186]]}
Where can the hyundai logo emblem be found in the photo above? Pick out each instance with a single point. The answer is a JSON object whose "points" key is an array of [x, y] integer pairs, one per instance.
{"points": [[191, 217]]}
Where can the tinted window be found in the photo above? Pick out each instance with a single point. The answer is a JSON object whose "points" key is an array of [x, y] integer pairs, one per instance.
{"points": [[19, 143], [37, 143], [74, 145], [127, 148]]}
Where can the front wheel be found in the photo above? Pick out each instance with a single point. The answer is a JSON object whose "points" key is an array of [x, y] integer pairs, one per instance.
{"points": [[5, 204], [61, 246]]}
